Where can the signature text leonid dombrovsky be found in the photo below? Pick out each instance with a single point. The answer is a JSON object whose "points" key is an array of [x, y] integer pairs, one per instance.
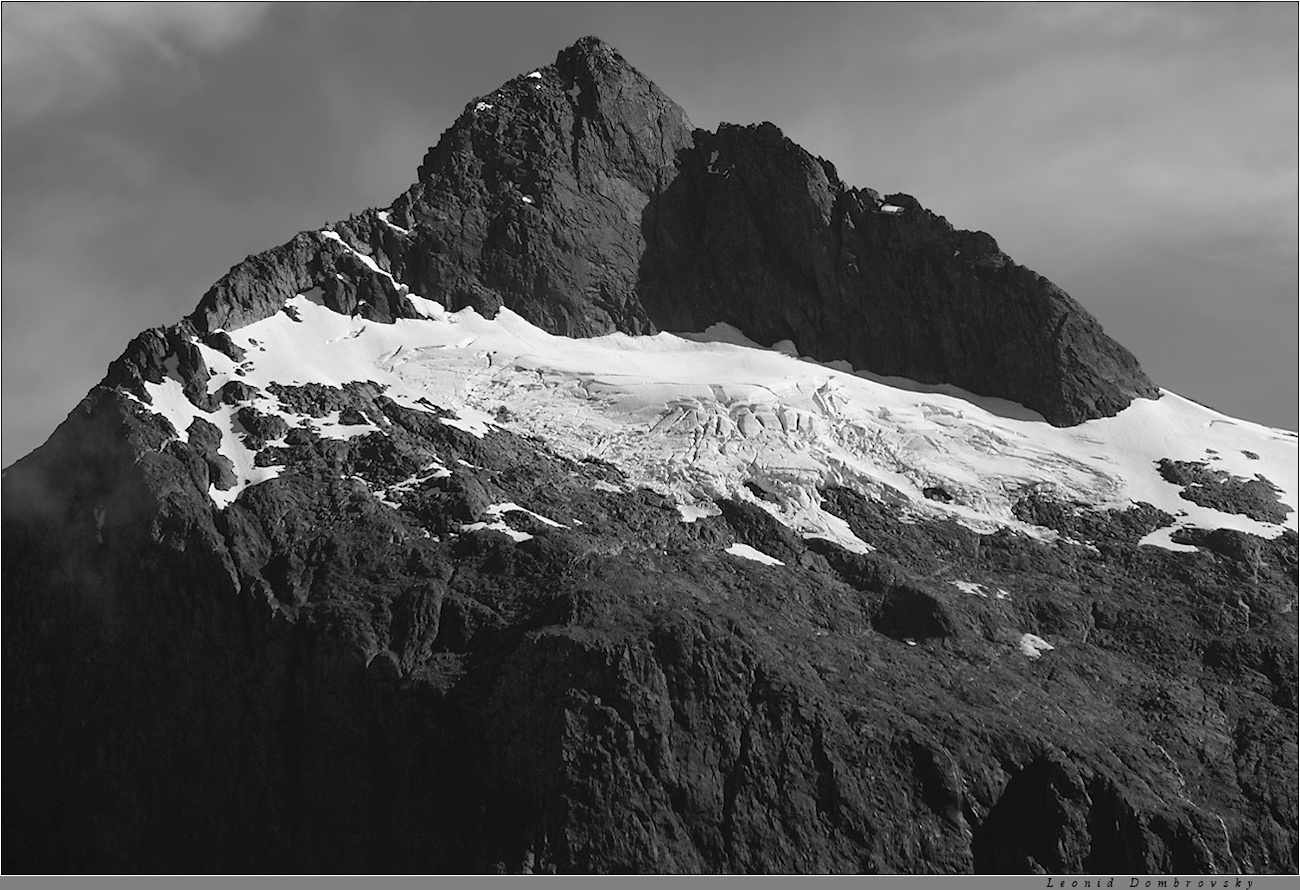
{"points": [[1054, 883]]}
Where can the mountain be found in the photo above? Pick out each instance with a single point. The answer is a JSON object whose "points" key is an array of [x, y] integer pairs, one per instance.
{"points": [[632, 497]]}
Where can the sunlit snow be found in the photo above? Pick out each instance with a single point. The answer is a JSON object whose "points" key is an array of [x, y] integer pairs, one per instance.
{"points": [[500, 509], [383, 217], [472, 421], [744, 551], [1163, 537], [697, 417], [498, 526], [692, 512], [170, 401], [374, 267], [1033, 646]]}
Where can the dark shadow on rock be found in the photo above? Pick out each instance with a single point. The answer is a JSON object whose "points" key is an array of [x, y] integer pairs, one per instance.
{"points": [[755, 232]]}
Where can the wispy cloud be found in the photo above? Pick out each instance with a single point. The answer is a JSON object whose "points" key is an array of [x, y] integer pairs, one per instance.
{"points": [[58, 57]]}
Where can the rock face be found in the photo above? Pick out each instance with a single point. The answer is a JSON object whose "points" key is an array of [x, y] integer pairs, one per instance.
{"points": [[578, 196], [426, 648], [756, 232], [532, 200]]}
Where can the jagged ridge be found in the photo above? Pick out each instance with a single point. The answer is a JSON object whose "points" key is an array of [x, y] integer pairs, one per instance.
{"points": [[579, 197]]}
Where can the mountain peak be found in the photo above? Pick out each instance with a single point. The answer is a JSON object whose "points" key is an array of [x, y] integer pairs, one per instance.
{"points": [[580, 196], [604, 79], [592, 52], [398, 579]]}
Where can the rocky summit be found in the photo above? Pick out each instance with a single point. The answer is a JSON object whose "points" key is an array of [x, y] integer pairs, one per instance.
{"points": [[628, 497]]}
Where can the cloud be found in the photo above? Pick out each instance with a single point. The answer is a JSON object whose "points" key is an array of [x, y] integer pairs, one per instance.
{"points": [[58, 57]]}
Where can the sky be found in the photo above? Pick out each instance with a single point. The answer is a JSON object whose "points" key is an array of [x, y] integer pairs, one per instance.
{"points": [[1142, 157]]}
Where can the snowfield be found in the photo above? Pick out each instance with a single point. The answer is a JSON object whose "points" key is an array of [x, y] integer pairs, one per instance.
{"points": [[744, 551], [711, 415]]}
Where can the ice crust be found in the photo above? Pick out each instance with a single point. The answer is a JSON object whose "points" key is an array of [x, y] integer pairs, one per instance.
{"points": [[744, 551], [710, 415]]}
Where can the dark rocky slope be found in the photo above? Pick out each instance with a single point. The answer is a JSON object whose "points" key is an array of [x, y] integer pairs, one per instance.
{"points": [[314, 680]]}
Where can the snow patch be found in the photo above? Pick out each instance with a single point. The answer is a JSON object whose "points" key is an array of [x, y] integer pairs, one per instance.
{"points": [[837, 531], [1033, 646], [483, 106], [536, 75], [692, 512], [383, 217], [329, 427], [1162, 537], [890, 208], [365, 258], [744, 551], [430, 309], [497, 526], [498, 509], [475, 422], [386, 494], [970, 587], [169, 400]]}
